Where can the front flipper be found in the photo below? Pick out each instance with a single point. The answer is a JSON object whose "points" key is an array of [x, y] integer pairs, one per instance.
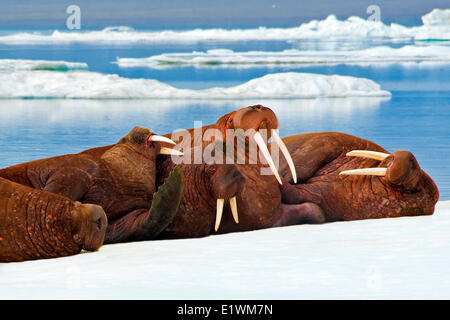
{"points": [[146, 224], [71, 182]]}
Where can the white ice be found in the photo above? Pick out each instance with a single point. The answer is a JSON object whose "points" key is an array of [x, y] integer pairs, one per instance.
{"points": [[11, 65], [92, 85], [292, 57], [397, 258], [437, 17], [435, 26]]}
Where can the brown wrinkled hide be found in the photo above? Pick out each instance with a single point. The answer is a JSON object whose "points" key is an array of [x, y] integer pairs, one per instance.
{"points": [[406, 190], [36, 224], [258, 197], [204, 184], [119, 178]]}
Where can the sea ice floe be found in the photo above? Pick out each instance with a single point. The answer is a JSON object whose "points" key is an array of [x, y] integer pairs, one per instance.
{"points": [[435, 27], [292, 57], [93, 85]]}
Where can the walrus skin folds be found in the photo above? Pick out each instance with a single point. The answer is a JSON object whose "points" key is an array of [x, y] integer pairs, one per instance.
{"points": [[36, 224], [121, 180], [393, 186]]}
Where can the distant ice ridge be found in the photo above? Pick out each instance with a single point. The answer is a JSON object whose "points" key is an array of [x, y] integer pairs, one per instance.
{"points": [[229, 58], [435, 27], [437, 17], [10, 65], [92, 85]]}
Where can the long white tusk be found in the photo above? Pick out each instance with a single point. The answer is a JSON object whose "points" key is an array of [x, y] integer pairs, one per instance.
{"points": [[365, 172], [161, 139], [169, 151], [220, 203], [234, 210], [287, 155], [368, 154], [261, 144]]}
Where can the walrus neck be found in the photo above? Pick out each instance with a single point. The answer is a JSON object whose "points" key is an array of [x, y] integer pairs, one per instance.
{"points": [[197, 185]]}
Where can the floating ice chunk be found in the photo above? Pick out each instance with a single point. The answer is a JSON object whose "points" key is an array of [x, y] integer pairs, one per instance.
{"points": [[437, 17], [329, 28], [292, 57], [92, 85], [9, 65]]}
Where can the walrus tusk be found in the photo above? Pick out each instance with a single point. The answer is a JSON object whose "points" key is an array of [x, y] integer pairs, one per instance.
{"points": [[365, 172], [161, 139], [260, 142], [234, 210], [219, 212], [287, 155], [368, 154], [169, 151]]}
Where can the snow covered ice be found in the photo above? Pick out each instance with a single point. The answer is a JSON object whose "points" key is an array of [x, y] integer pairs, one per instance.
{"points": [[435, 26], [92, 85], [292, 57], [398, 258], [11, 65]]}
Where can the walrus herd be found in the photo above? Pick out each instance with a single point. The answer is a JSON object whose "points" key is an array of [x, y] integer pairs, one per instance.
{"points": [[147, 186]]}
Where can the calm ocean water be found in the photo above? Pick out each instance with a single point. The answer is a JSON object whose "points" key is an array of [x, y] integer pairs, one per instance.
{"points": [[415, 118]]}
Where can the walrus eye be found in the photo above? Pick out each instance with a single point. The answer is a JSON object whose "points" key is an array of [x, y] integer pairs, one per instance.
{"points": [[150, 144]]}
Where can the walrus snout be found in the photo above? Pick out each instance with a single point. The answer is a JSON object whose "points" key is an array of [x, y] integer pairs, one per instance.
{"points": [[227, 182], [257, 118], [403, 170], [90, 226]]}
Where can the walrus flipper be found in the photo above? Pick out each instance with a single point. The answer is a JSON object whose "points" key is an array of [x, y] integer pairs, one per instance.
{"points": [[165, 204], [144, 224]]}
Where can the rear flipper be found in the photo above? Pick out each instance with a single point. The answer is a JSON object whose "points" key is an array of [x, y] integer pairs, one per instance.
{"points": [[293, 214], [144, 224]]}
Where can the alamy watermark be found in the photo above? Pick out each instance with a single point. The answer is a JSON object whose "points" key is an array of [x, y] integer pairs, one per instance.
{"points": [[234, 146], [74, 19], [375, 13]]}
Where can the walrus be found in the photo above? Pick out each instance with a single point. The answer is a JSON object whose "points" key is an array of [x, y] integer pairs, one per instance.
{"points": [[36, 224], [121, 179], [350, 178], [247, 124], [223, 198], [237, 131]]}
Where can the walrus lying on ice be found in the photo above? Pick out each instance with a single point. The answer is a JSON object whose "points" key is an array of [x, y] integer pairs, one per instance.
{"points": [[121, 179], [36, 224], [350, 178]]}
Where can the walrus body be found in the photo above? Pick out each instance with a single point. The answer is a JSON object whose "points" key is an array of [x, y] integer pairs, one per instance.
{"points": [[119, 178], [257, 196], [401, 189], [258, 200], [35, 224]]}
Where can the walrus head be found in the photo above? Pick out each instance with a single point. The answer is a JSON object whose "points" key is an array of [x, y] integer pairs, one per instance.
{"points": [[226, 182], [400, 170], [252, 121], [89, 224], [146, 142]]}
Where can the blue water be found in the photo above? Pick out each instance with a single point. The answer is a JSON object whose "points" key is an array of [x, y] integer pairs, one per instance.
{"points": [[416, 117]]}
